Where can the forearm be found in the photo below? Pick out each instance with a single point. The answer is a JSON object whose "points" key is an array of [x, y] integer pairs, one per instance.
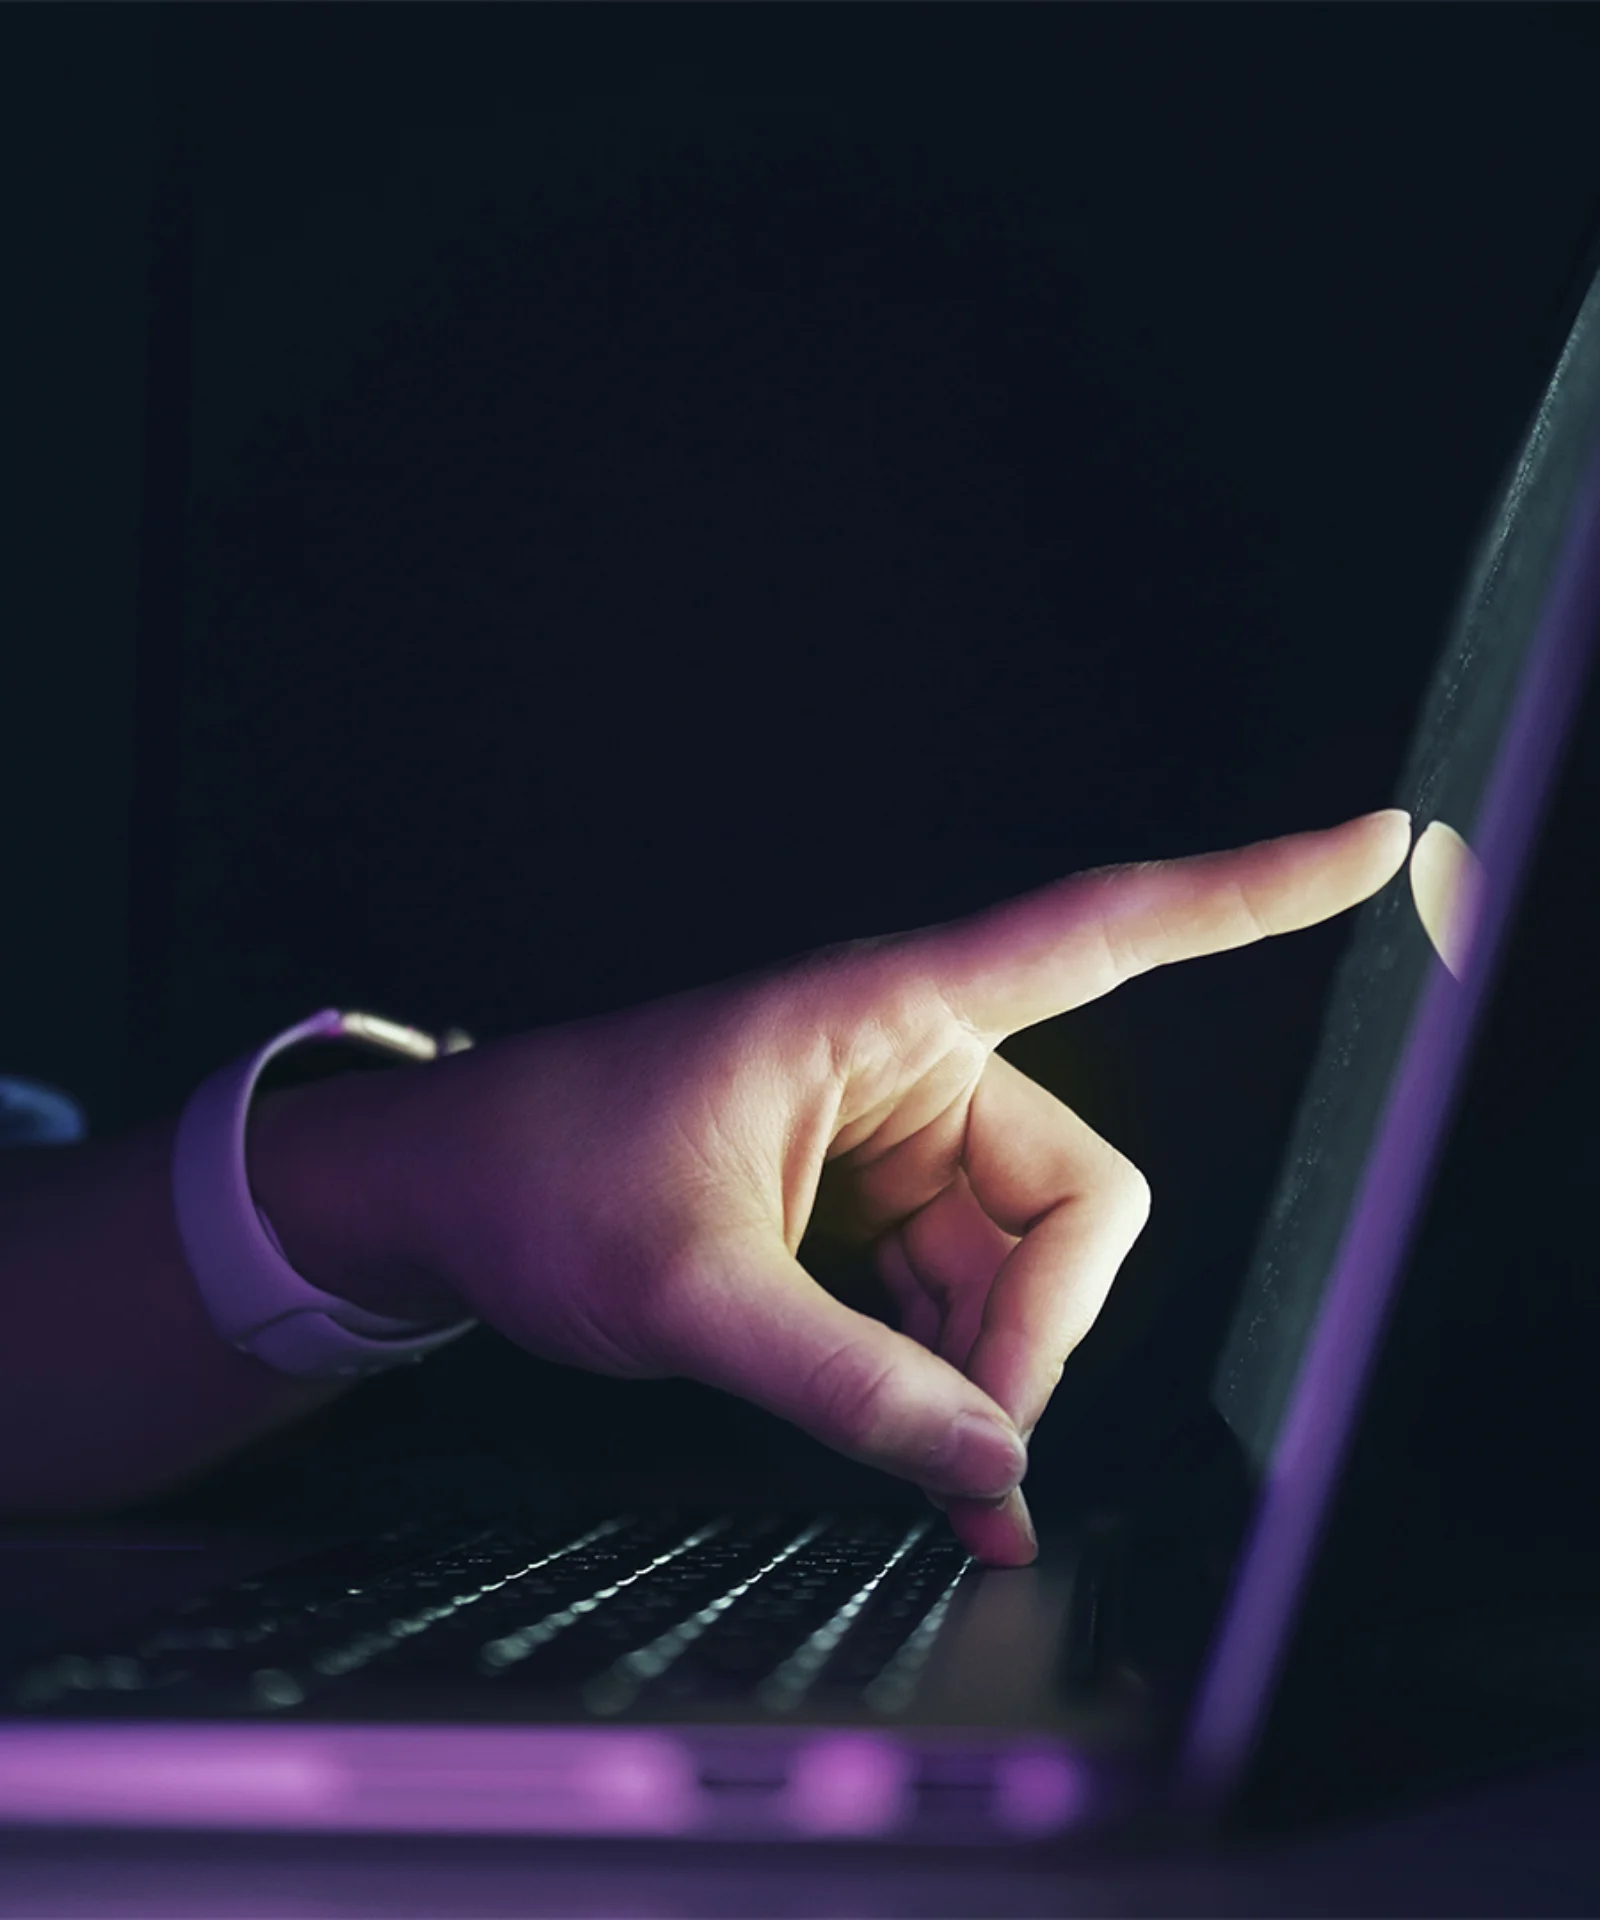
{"points": [[113, 1382]]}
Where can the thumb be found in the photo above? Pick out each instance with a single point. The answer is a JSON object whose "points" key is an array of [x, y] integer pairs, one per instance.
{"points": [[752, 1321]]}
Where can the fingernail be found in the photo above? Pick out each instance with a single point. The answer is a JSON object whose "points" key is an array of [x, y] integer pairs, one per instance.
{"points": [[979, 1457], [942, 1500], [1026, 1518], [1000, 1534]]}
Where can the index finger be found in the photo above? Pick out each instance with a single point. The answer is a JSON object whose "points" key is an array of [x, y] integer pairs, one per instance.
{"points": [[1046, 952]]}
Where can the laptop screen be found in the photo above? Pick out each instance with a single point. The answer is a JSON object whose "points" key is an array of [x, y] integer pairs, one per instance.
{"points": [[1399, 1024], [1423, 923]]}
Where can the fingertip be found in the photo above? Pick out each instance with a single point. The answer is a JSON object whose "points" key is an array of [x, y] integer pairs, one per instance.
{"points": [[1388, 832], [999, 1535], [1332, 869], [1392, 828]]}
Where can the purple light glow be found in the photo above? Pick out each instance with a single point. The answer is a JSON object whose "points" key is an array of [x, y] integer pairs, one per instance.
{"points": [[848, 1784], [1039, 1793], [841, 1784], [352, 1779]]}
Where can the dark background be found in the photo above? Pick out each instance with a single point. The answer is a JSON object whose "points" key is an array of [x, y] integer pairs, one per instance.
{"points": [[520, 509]]}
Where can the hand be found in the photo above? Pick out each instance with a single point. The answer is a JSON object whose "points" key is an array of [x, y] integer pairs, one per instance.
{"points": [[629, 1193]]}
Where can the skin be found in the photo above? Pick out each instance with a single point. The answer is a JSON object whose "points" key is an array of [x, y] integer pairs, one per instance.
{"points": [[629, 1194]]}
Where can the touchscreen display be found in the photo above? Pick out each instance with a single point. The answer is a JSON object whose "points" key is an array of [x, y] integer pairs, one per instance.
{"points": [[1426, 918]]}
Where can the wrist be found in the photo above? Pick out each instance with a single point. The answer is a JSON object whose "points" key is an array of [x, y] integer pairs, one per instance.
{"points": [[327, 1168]]}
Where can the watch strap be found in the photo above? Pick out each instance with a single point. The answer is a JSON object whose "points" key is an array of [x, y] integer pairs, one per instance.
{"points": [[256, 1299]]}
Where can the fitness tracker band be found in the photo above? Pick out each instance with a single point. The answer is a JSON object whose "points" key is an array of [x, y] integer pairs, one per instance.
{"points": [[256, 1300]]}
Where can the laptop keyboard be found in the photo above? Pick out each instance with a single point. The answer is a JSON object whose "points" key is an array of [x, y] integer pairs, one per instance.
{"points": [[626, 1614]]}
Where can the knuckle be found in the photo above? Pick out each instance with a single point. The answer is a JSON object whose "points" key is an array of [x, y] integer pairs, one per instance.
{"points": [[848, 1394]]}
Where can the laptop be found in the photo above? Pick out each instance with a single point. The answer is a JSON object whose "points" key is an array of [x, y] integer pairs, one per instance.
{"points": [[487, 1665]]}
